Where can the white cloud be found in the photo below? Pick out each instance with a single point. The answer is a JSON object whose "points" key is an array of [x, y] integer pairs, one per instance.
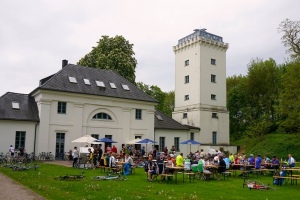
{"points": [[36, 35]]}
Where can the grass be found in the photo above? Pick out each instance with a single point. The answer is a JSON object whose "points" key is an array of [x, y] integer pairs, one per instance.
{"points": [[136, 187]]}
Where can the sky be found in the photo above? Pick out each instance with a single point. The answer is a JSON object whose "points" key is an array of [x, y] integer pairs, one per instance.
{"points": [[35, 36]]}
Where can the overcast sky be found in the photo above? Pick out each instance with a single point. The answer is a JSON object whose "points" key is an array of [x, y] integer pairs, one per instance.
{"points": [[36, 36]]}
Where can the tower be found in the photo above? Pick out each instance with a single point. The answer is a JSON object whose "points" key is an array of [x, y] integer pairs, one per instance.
{"points": [[200, 86]]}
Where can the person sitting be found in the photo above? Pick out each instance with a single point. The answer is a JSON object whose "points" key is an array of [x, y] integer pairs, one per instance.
{"points": [[152, 168], [179, 160], [227, 161], [291, 161], [161, 165], [170, 163], [222, 166], [274, 163], [112, 163]]}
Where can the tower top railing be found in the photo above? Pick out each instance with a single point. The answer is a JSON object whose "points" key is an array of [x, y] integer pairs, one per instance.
{"points": [[201, 33]]}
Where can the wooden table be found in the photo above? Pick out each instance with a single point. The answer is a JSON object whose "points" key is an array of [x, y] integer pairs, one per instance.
{"points": [[213, 168], [290, 170], [176, 169]]}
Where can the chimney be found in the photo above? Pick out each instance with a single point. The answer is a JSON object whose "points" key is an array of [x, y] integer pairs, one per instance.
{"points": [[64, 63]]}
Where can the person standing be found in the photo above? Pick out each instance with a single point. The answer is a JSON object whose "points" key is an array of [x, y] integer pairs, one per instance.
{"points": [[143, 151], [11, 150], [75, 155], [108, 149], [114, 149], [100, 152], [258, 161]]}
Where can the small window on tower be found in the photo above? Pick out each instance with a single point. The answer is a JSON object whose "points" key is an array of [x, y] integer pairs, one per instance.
{"points": [[213, 61], [186, 97], [187, 63], [184, 115], [213, 97]]}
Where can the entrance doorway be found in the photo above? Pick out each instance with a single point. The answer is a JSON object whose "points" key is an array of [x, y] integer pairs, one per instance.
{"points": [[60, 146]]}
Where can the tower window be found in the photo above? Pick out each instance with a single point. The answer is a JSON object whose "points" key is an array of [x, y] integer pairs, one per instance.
{"points": [[186, 97], [213, 61], [214, 115], [214, 137], [187, 79], [213, 78], [213, 97], [187, 63], [184, 116]]}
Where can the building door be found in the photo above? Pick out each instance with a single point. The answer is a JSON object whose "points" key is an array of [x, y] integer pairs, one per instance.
{"points": [[60, 146]]}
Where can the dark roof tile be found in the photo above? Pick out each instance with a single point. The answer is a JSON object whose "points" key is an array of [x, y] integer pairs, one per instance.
{"points": [[28, 109]]}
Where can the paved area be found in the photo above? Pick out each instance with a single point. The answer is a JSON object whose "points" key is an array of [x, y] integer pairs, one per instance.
{"points": [[11, 190]]}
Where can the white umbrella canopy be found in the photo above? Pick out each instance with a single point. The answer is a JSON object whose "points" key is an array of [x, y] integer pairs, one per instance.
{"points": [[135, 141], [85, 139]]}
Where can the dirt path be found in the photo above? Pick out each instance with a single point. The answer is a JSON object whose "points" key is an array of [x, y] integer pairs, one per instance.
{"points": [[11, 190]]}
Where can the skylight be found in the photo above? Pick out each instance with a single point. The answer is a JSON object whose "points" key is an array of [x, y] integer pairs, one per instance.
{"points": [[100, 84], [15, 105], [113, 85], [72, 79], [125, 87], [86, 81], [159, 117]]}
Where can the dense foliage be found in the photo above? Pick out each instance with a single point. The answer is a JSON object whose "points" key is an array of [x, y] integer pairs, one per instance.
{"points": [[113, 53], [166, 99], [266, 100]]}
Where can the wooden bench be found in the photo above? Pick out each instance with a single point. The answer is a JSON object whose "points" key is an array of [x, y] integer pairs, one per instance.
{"points": [[167, 177], [257, 172], [226, 174], [191, 175], [232, 171]]}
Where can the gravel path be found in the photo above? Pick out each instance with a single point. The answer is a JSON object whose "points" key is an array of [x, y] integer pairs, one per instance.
{"points": [[11, 190]]}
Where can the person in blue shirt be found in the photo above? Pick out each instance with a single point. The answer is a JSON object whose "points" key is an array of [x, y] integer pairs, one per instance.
{"points": [[258, 162], [275, 163], [251, 160]]}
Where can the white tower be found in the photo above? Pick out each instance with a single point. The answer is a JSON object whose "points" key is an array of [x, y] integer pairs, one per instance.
{"points": [[200, 86]]}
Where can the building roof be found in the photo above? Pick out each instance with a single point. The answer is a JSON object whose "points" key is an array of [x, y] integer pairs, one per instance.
{"points": [[60, 82], [25, 107], [166, 122]]}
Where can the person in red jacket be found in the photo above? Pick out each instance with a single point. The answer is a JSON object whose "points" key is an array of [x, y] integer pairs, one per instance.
{"points": [[114, 149]]}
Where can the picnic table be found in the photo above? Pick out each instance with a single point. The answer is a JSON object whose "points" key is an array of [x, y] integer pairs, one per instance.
{"points": [[176, 170]]}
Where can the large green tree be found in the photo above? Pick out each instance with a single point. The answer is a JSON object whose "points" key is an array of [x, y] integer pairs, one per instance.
{"points": [[291, 36], [289, 98], [114, 53]]}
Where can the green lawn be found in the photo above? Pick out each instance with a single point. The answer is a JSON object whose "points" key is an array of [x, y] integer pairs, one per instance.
{"points": [[136, 186]]}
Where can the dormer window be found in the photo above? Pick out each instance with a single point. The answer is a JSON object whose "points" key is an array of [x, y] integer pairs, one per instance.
{"points": [[86, 81], [113, 85], [72, 79], [159, 117], [125, 87], [100, 84], [15, 105]]}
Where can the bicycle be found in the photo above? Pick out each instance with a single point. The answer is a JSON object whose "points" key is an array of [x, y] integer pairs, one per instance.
{"points": [[119, 177]]}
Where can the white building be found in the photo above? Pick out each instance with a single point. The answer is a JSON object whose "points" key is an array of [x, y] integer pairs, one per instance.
{"points": [[79, 101], [200, 86]]}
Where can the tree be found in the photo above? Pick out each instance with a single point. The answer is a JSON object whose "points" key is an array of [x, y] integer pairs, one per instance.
{"points": [[113, 53], [155, 92], [289, 98], [291, 36]]}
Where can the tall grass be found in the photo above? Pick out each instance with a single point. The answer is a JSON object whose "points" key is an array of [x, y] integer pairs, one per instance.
{"points": [[136, 186]]}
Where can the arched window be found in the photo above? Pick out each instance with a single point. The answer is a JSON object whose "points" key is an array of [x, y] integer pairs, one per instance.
{"points": [[102, 116]]}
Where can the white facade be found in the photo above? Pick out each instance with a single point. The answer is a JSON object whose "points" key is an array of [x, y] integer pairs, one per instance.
{"points": [[78, 120], [200, 86], [8, 129]]}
